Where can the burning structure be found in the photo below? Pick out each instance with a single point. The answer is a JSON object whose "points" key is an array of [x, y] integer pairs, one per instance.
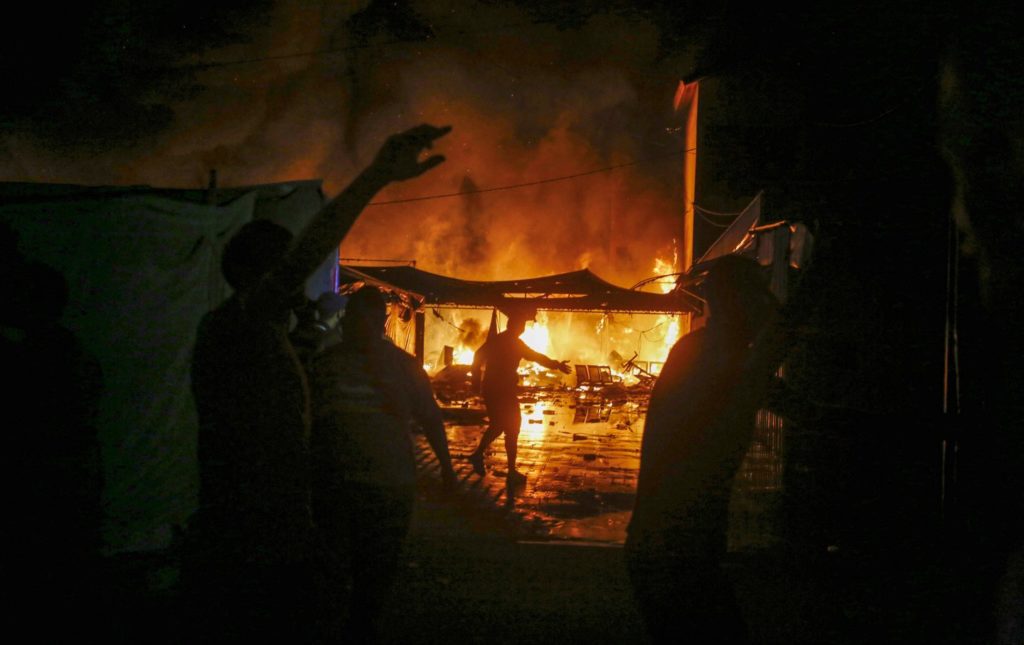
{"points": [[577, 313], [581, 316]]}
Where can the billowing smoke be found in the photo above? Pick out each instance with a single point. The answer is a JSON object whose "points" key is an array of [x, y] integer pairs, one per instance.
{"points": [[473, 333], [529, 100]]}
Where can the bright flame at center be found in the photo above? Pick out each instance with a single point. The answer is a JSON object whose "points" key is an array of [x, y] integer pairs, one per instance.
{"points": [[463, 355], [537, 335]]}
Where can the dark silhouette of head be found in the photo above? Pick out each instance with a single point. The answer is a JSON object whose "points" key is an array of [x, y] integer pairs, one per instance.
{"points": [[365, 314], [329, 304], [253, 251], [518, 317], [738, 295]]}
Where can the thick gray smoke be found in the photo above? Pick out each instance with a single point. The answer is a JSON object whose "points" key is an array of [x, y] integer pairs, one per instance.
{"points": [[529, 99]]}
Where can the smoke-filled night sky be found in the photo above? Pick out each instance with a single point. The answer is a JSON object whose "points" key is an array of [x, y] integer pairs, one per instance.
{"points": [[872, 119], [894, 129], [146, 94]]}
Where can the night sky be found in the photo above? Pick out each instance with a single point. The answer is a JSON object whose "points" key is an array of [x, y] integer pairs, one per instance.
{"points": [[870, 121], [834, 113]]}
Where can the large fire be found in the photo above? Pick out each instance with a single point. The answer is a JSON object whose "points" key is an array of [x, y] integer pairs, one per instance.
{"points": [[609, 339], [563, 152], [537, 336]]}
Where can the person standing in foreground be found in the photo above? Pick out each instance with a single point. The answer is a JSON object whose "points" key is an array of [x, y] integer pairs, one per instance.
{"points": [[367, 394], [699, 425], [51, 463], [495, 365], [250, 563]]}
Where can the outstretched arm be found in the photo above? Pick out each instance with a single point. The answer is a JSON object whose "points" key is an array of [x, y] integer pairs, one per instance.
{"points": [[397, 160], [550, 363]]}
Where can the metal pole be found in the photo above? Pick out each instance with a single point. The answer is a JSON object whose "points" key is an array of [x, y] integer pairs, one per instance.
{"points": [[950, 375], [420, 340]]}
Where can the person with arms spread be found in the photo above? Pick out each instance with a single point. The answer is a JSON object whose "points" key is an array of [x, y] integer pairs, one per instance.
{"points": [[495, 374]]}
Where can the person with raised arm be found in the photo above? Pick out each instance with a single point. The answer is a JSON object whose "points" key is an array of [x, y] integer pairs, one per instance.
{"points": [[250, 564]]}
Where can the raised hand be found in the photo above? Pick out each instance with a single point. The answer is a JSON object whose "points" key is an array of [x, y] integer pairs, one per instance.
{"points": [[398, 158], [563, 366]]}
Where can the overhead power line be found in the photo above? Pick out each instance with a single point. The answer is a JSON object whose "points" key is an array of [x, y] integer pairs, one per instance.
{"points": [[708, 211], [538, 182]]}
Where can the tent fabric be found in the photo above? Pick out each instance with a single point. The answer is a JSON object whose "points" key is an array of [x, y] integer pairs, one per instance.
{"points": [[573, 291], [733, 236], [143, 266]]}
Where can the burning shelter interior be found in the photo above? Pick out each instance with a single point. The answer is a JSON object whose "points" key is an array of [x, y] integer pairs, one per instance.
{"points": [[589, 422]]}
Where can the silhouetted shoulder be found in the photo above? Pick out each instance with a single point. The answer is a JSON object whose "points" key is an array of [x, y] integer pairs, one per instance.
{"points": [[681, 358], [399, 354], [406, 362]]}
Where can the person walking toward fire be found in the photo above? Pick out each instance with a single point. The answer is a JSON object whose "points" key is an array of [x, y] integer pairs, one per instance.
{"points": [[495, 374], [367, 394], [250, 564]]}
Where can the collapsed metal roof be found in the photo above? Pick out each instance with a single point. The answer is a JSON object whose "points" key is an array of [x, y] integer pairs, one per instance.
{"points": [[573, 291]]}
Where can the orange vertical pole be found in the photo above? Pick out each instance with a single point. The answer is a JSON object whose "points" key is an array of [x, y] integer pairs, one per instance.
{"points": [[686, 105]]}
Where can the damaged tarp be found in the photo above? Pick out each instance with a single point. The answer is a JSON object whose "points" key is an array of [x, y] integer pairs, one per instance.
{"points": [[143, 266], [574, 291], [733, 237], [781, 245]]}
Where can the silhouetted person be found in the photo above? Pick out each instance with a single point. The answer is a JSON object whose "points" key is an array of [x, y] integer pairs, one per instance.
{"points": [[367, 393], [699, 425], [52, 494], [495, 374], [252, 548]]}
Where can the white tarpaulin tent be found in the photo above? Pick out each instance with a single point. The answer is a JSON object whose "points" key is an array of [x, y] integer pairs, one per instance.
{"points": [[143, 266]]}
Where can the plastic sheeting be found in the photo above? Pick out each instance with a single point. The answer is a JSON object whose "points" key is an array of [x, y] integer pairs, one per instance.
{"points": [[143, 266]]}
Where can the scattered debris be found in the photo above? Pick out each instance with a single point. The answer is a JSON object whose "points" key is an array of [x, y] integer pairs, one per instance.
{"points": [[577, 436], [589, 456]]}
